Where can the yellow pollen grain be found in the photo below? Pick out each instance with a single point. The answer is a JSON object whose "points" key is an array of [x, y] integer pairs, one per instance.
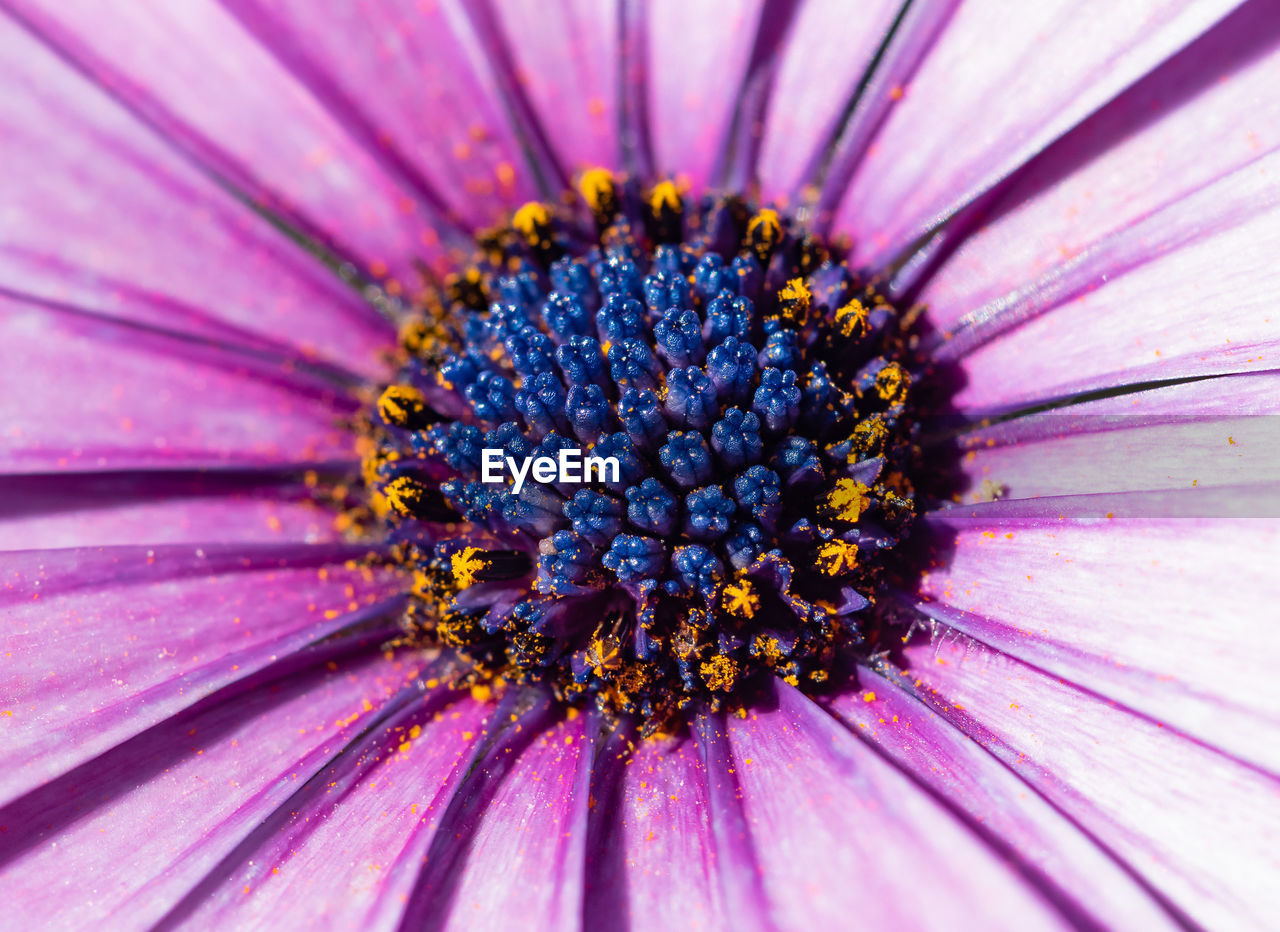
{"points": [[465, 564], [849, 499]]}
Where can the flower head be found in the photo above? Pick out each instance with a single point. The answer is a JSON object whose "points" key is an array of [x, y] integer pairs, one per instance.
{"points": [[926, 571]]}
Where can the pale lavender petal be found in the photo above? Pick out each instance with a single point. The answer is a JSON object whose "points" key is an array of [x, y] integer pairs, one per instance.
{"points": [[1195, 824], [173, 801], [839, 831], [1080, 450], [344, 850], [81, 392], [210, 89], [1171, 616], [415, 85], [164, 507], [1202, 115], [1184, 292], [824, 59], [565, 57], [963, 772], [1000, 84], [103, 643], [102, 213], [654, 847]]}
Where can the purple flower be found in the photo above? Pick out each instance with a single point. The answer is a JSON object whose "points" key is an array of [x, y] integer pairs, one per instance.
{"points": [[937, 584]]}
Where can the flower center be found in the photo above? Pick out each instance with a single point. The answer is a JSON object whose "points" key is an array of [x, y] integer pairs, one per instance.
{"points": [[743, 397]]}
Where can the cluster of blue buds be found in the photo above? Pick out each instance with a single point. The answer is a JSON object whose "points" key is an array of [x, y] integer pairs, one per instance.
{"points": [[751, 396]]}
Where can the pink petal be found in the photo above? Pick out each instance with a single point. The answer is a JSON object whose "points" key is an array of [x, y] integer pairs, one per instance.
{"points": [[1194, 824], [821, 66], [415, 85], [195, 75], [101, 644], [102, 213], [531, 825], [840, 832], [177, 798], [696, 64], [1203, 114], [96, 510], [654, 850], [346, 848], [1171, 616], [565, 55], [82, 392], [961, 771], [1184, 292], [1000, 84]]}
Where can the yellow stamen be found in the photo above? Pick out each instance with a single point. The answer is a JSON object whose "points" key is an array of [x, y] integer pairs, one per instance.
{"points": [[793, 301], [598, 190], [892, 383], [740, 599], [666, 196], [404, 495], [531, 220], [836, 557], [466, 563], [868, 439], [853, 320], [765, 229], [849, 499], [401, 405], [720, 672]]}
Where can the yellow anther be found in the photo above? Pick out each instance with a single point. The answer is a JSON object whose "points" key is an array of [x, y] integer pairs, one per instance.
{"points": [[603, 654], [837, 557], [466, 563], [849, 499], [764, 233], [892, 383], [765, 227], [402, 405], [532, 220], [599, 191], [405, 495], [793, 301], [415, 336], [720, 673], [665, 196], [768, 648], [868, 438], [740, 599], [853, 320]]}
